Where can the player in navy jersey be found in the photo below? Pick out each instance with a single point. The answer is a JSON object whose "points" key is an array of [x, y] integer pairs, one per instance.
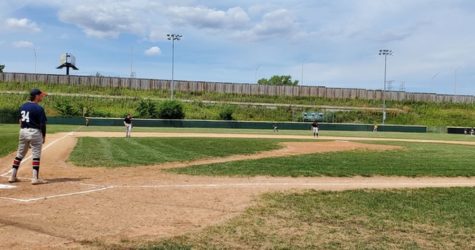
{"points": [[32, 120]]}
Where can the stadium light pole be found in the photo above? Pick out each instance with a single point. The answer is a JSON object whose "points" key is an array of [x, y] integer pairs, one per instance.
{"points": [[385, 53], [173, 38]]}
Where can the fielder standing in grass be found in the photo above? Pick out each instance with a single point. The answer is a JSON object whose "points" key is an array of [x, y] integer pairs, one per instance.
{"points": [[128, 125], [32, 120], [315, 128]]}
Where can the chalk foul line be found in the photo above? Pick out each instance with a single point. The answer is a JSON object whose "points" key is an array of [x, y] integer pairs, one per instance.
{"points": [[43, 149], [26, 200], [380, 185]]}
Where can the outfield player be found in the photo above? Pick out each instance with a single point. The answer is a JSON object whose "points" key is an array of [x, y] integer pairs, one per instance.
{"points": [[276, 128], [32, 120], [128, 125], [315, 128]]}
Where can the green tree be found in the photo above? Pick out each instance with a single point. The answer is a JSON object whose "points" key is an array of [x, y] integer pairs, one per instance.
{"points": [[278, 80], [226, 113], [2, 67], [65, 108], [171, 109], [147, 109]]}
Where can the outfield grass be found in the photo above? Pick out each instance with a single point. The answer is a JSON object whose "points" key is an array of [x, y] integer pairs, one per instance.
{"points": [[9, 135], [396, 219], [122, 152], [415, 159]]}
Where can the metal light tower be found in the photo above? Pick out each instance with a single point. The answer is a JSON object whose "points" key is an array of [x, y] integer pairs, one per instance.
{"points": [[173, 38], [385, 53]]}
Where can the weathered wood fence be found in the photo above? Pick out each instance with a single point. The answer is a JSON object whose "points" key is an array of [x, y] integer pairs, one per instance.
{"points": [[235, 88]]}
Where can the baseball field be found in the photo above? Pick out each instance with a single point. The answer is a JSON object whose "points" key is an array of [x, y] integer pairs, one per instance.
{"points": [[168, 188]]}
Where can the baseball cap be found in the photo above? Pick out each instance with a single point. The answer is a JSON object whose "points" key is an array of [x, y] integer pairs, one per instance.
{"points": [[35, 92]]}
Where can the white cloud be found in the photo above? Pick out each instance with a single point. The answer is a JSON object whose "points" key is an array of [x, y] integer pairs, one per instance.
{"points": [[152, 20], [153, 51], [22, 24], [203, 17], [106, 19], [23, 44], [275, 23]]}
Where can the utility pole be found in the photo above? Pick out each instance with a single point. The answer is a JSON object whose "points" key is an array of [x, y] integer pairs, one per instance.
{"points": [[455, 82], [132, 73], [255, 73], [36, 58]]}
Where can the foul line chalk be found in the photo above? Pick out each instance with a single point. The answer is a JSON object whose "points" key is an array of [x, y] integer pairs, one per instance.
{"points": [[56, 196], [285, 184], [3, 186], [380, 185], [44, 148]]}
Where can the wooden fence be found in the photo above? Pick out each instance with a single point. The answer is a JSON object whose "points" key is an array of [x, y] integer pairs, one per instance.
{"points": [[235, 88]]}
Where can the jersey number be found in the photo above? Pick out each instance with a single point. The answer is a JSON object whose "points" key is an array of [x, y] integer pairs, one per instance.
{"points": [[25, 116]]}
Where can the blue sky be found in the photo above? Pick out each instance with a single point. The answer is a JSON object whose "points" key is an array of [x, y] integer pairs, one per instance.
{"points": [[333, 43]]}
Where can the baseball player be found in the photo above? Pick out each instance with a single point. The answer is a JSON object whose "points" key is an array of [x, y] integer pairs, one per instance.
{"points": [[315, 128], [128, 125], [32, 120], [276, 128]]}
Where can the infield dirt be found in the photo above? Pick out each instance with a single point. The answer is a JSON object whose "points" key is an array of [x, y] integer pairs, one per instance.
{"points": [[81, 205]]}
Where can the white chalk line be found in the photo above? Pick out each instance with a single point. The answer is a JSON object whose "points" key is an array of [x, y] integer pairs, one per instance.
{"points": [[379, 185], [43, 149], [57, 195], [277, 184], [4, 186]]}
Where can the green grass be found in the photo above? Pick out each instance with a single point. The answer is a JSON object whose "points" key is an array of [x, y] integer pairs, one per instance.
{"points": [[416, 113], [122, 152], [390, 135], [415, 159], [9, 135], [394, 219]]}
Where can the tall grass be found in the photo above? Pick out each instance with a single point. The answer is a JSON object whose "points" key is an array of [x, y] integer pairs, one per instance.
{"points": [[415, 113]]}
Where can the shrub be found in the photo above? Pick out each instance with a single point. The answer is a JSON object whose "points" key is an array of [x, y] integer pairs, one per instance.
{"points": [[147, 109], [171, 109], [226, 113], [66, 109], [8, 115]]}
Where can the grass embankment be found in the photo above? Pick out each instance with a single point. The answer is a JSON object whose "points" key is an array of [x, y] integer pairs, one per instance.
{"points": [[415, 159], [430, 114], [123, 152], [9, 136], [395, 219], [112, 107]]}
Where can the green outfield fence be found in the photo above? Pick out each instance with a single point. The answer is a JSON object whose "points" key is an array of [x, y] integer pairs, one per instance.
{"points": [[94, 121]]}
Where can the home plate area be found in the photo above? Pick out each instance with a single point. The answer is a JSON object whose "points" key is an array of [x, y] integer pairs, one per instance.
{"points": [[25, 192]]}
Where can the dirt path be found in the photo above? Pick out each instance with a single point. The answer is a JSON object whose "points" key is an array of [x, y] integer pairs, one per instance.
{"points": [[265, 136], [143, 203]]}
